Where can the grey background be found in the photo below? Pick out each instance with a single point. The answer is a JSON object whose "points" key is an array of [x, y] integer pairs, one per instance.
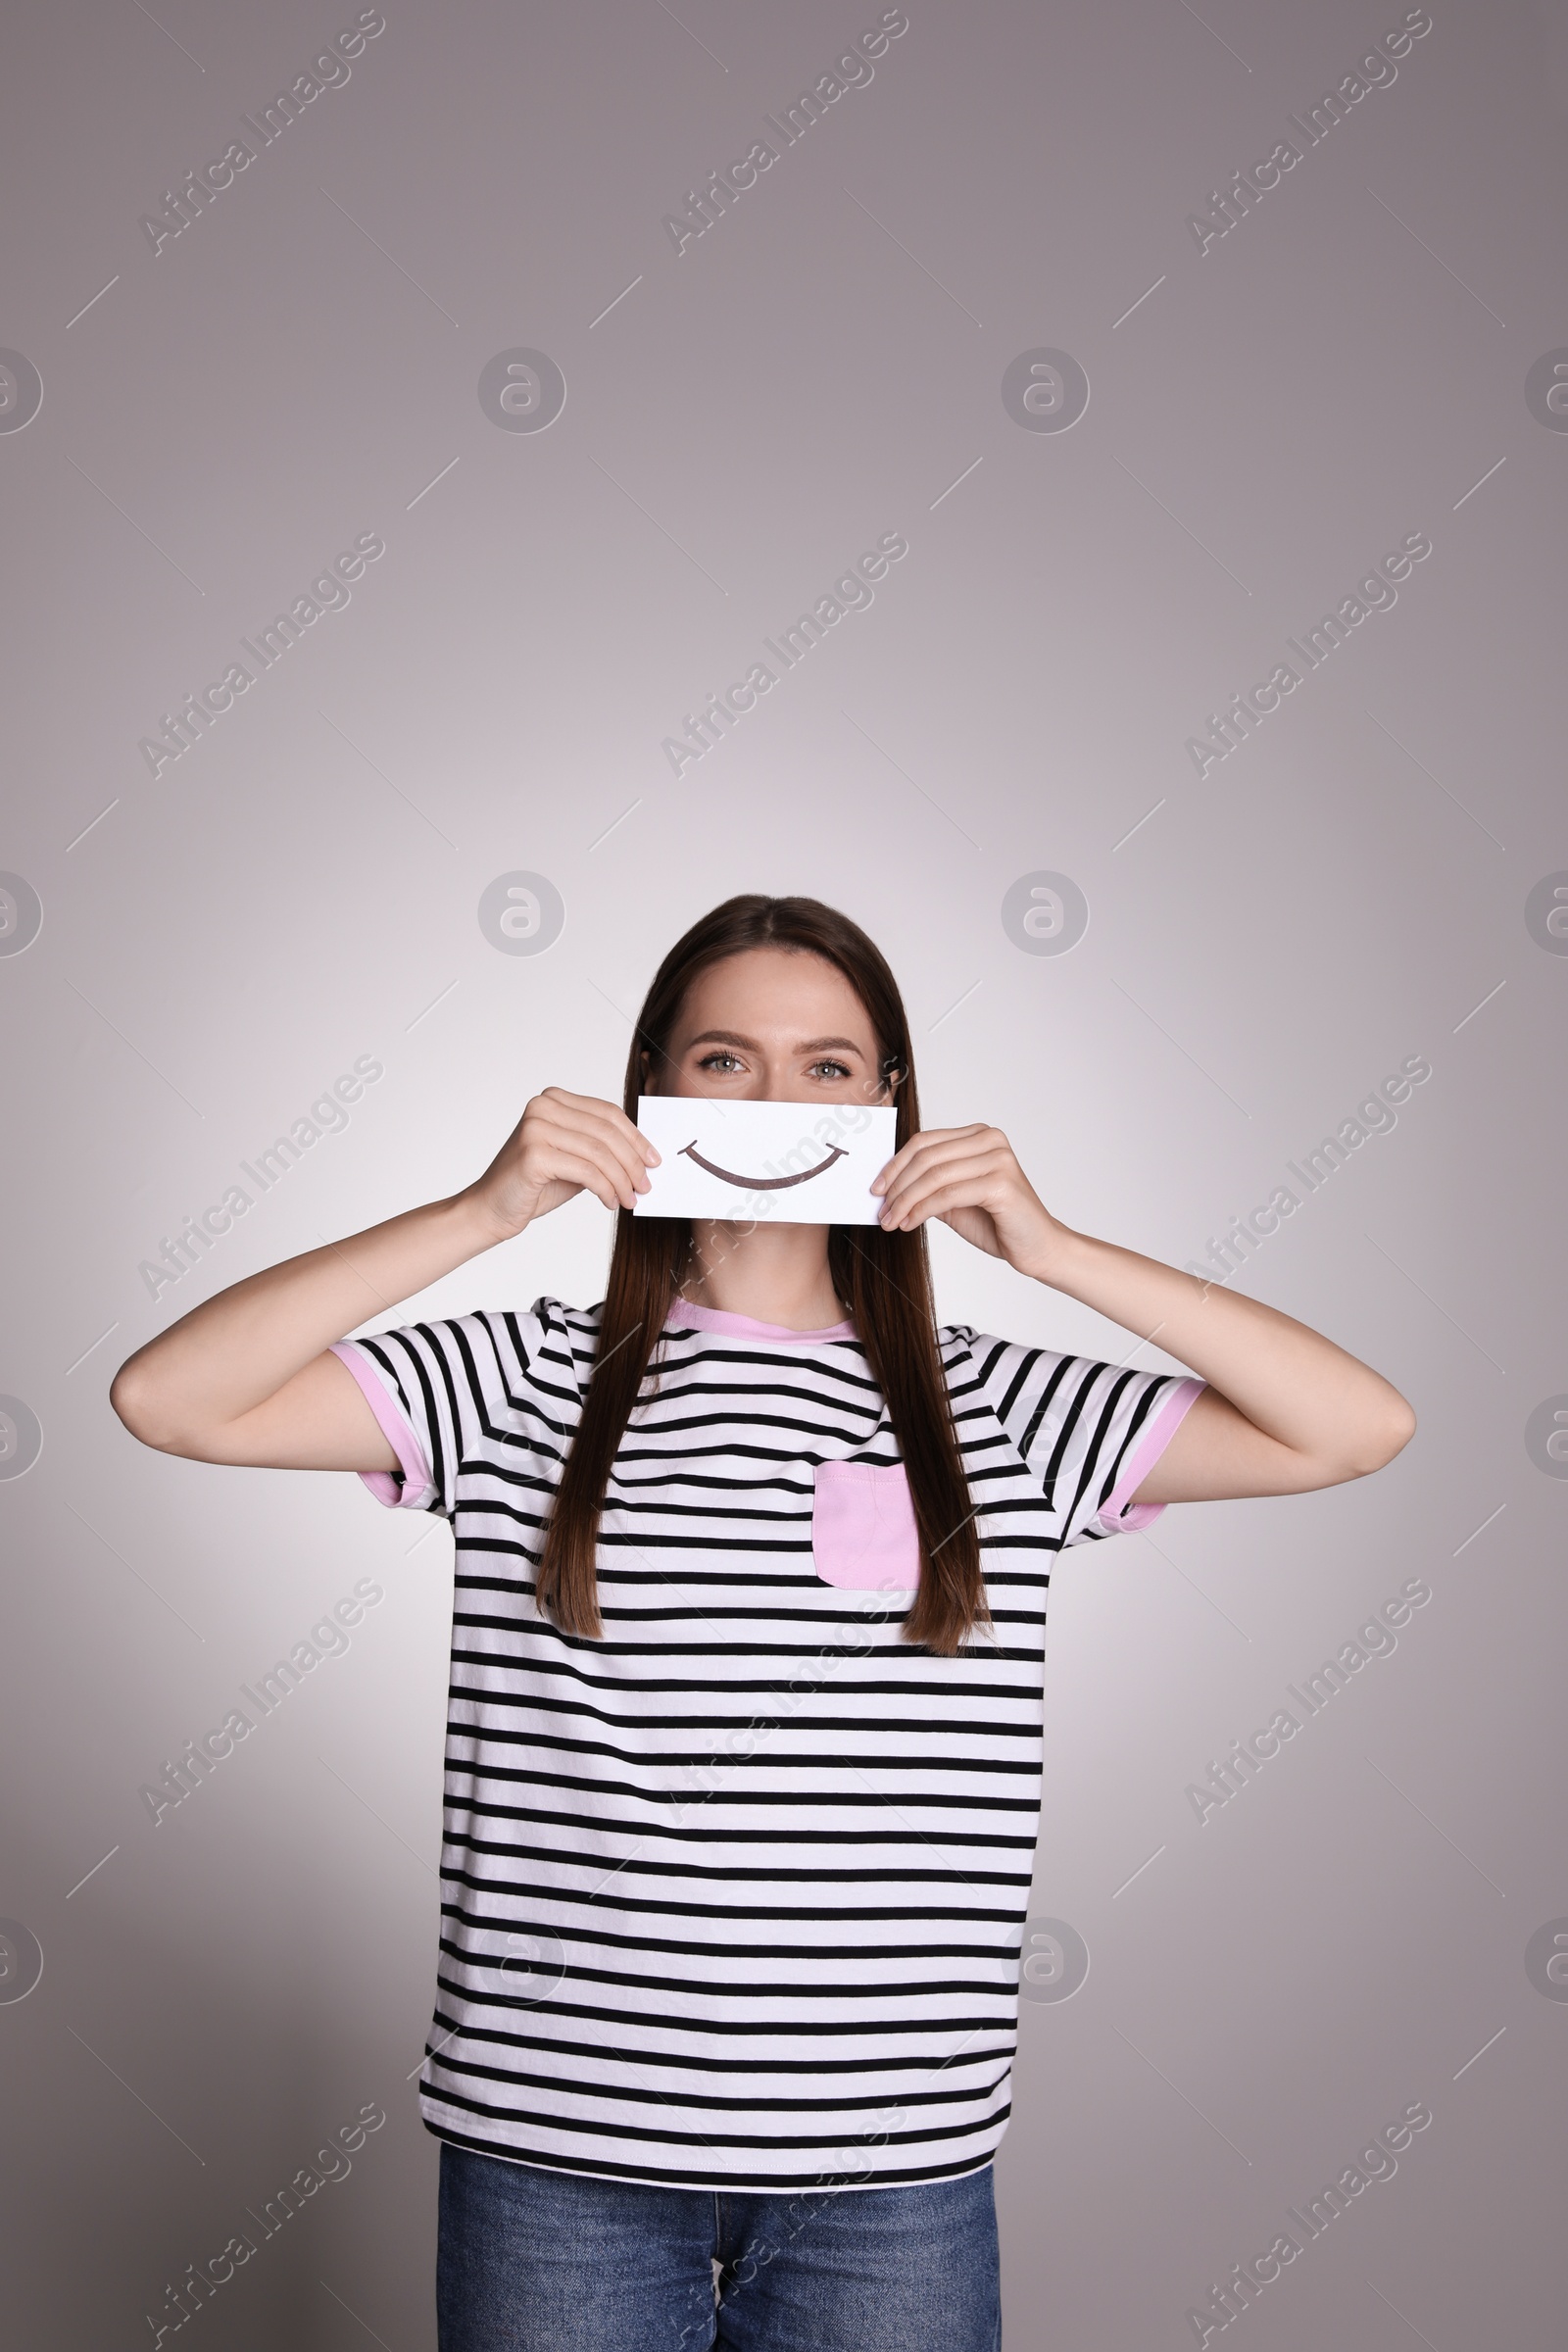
{"points": [[222, 1990]]}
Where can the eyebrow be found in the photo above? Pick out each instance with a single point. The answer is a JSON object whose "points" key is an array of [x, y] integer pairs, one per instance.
{"points": [[811, 1045]]}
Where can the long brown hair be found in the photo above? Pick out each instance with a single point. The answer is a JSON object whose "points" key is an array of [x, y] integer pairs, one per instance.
{"points": [[884, 1279]]}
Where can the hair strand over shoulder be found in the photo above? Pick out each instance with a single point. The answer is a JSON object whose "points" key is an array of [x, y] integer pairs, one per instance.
{"points": [[883, 1279]]}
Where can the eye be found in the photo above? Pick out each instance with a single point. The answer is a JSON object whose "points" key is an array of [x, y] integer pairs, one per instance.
{"points": [[711, 1061], [830, 1069]]}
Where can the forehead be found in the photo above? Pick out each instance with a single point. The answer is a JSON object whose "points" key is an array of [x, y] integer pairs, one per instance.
{"points": [[775, 992]]}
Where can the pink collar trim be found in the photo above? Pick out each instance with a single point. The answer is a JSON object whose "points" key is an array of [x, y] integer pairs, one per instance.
{"points": [[746, 1327]]}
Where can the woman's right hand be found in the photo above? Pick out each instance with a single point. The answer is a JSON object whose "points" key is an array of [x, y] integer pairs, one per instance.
{"points": [[562, 1146], [247, 1376]]}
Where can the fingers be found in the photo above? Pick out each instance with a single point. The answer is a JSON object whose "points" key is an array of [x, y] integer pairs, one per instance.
{"points": [[592, 1175], [929, 1138], [607, 1115], [940, 1148], [938, 1204], [578, 1127], [550, 1154], [954, 1178]]}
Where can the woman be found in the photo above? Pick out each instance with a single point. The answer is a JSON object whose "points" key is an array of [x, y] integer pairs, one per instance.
{"points": [[742, 1761]]}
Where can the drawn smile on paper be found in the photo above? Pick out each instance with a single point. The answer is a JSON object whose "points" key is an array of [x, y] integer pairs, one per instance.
{"points": [[760, 1184]]}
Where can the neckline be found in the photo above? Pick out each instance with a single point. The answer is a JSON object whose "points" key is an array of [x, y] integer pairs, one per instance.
{"points": [[686, 1313]]}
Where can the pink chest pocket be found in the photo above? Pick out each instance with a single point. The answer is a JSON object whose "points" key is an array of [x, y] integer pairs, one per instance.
{"points": [[862, 1528]]}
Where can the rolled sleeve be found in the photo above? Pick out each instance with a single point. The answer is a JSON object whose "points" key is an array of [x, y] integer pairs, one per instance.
{"points": [[410, 1487], [1089, 1432], [1121, 1515], [462, 1399]]}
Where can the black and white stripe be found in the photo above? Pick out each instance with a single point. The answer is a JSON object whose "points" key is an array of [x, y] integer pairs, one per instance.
{"points": [[733, 1897]]}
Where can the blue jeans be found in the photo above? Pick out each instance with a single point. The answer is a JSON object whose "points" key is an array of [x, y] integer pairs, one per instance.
{"points": [[536, 2261]]}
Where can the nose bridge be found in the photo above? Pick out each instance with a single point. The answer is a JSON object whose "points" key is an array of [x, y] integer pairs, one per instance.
{"points": [[770, 1074]]}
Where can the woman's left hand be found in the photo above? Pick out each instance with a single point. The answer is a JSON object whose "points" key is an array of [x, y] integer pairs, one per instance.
{"points": [[970, 1178], [1284, 1410]]}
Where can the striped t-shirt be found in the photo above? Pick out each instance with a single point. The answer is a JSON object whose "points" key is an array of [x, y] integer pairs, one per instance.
{"points": [[733, 1897]]}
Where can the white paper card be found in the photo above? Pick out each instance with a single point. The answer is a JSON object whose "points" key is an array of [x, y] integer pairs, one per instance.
{"points": [[797, 1164]]}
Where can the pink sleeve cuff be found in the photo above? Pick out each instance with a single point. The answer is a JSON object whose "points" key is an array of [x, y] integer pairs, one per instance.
{"points": [[1121, 1515], [416, 1486]]}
